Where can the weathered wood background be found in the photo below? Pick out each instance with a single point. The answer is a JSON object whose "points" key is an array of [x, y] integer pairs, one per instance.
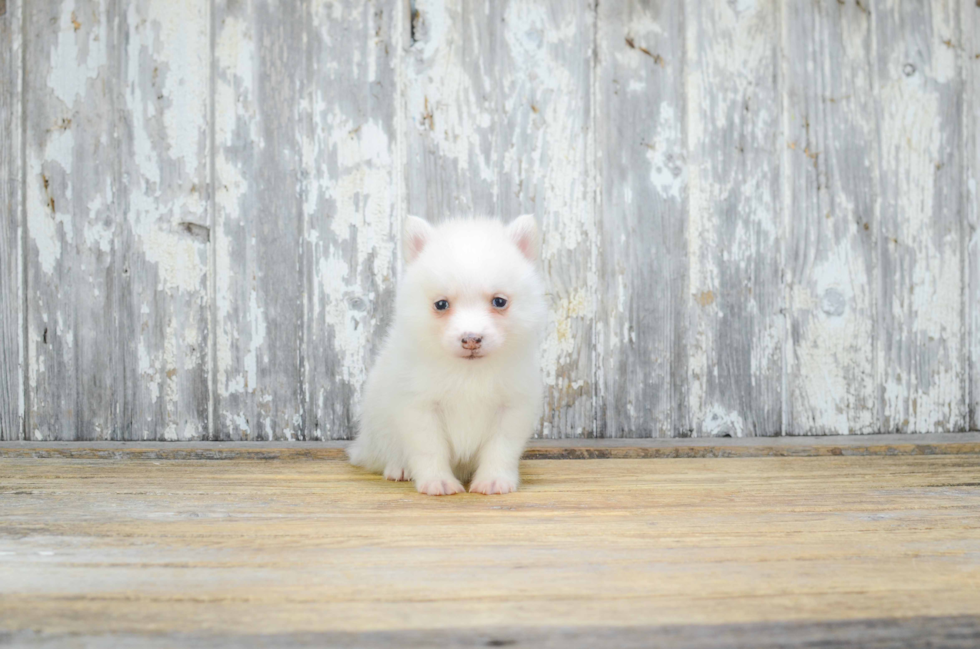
{"points": [[760, 217]]}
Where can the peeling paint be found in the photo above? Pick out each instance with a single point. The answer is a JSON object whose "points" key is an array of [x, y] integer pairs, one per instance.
{"points": [[668, 171], [77, 57], [923, 366]]}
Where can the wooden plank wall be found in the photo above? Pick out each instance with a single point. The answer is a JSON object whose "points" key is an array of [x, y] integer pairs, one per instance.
{"points": [[760, 216]]}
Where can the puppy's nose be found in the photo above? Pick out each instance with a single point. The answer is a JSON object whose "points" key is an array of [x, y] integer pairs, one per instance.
{"points": [[471, 341]]}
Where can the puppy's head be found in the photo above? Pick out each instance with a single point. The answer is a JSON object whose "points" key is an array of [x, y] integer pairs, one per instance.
{"points": [[471, 288]]}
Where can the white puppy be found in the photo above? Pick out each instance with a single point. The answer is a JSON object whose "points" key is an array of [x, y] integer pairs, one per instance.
{"points": [[456, 391]]}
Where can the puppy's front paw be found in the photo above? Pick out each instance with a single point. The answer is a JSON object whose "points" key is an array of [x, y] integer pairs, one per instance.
{"points": [[439, 486], [396, 473], [490, 486]]}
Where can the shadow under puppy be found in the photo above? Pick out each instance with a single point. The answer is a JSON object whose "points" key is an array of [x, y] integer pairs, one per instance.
{"points": [[456, 391]]}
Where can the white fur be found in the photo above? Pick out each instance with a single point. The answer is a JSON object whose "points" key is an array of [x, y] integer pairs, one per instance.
{"points": [[436, 412]]}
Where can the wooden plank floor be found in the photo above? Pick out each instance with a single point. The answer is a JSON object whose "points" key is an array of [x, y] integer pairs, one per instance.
{"points": [[775, 551]]}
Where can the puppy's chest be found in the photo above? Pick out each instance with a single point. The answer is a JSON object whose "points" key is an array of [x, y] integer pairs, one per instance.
{"points": [[469, 422]]}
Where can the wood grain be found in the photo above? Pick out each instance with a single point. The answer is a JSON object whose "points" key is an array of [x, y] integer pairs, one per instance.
{"points": [[919, 632], [246, 548], [970, 62], [734, 143], [162, 236], [922, 359], [351, 176], [71, 178], [642, 247], [305, 104], [259, 254], [831, 166], [116, 167], [498, 98], [11, 225]]}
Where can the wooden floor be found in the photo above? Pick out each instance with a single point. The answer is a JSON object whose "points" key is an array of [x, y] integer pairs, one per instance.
{"points": [[775, 551]]}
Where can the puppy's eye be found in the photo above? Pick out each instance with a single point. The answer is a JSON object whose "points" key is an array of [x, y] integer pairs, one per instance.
{"points": [[442, 305], [499, 302]]}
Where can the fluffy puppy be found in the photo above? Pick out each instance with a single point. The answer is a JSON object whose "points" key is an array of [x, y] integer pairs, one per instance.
{"points": [[456, 391]]}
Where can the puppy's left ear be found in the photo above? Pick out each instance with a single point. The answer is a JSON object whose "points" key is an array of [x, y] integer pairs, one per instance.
{"points": [[523, 231]]}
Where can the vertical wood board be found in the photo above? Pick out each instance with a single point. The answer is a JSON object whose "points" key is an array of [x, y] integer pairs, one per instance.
{"points": [[970, 62], [830, 215], [351, 200], [71, 178], [116, 165], [922, 352], [642, 214], [11, 226], [734, 141], [161, 238], [258, 226]]}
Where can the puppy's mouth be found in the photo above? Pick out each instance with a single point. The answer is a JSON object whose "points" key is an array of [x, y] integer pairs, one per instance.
{"points": [[472, 355]]}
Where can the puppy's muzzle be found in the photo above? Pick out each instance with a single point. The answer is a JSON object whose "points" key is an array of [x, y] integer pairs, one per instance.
{"points": [[471, 341]]}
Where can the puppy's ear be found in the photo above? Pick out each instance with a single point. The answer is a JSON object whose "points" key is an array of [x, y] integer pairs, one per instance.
{"points": [[416, 235], [523, 231]]}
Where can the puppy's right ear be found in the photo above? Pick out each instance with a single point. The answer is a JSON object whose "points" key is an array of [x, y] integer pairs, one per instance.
{"points": [[415, 237]]}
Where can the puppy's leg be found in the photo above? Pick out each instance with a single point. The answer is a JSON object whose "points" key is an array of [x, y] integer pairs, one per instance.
{"points": [[395, 472], [497, 471], [427, 451]]}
